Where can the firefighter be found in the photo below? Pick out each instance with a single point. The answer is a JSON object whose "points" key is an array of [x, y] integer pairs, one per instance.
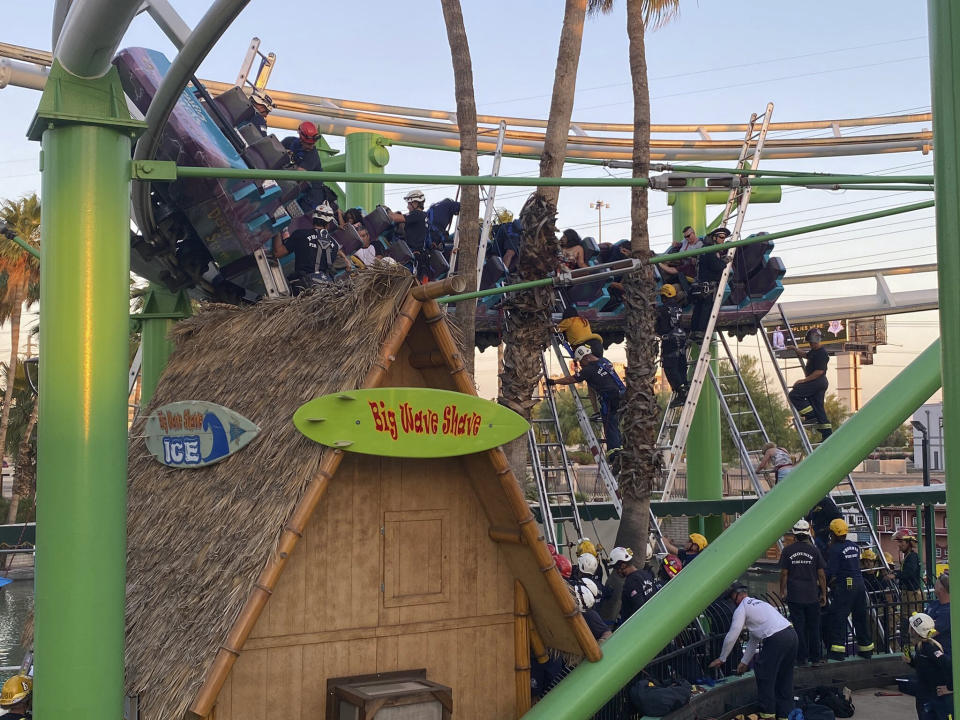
{"points": [[847, 594]]}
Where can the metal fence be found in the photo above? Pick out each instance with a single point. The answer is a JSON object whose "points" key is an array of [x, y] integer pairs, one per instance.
{"points": [[689, 653]]}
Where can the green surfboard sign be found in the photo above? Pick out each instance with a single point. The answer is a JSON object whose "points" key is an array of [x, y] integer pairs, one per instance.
{"points": [[408, 422]]}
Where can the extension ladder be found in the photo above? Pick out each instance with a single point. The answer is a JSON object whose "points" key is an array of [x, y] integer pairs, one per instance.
{"points": [[857, 508], [552, 470], [676, 426], [488, 211], [563, 355]]}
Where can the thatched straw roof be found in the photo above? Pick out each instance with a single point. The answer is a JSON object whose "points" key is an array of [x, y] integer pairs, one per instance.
{"points": [[197, 539]]}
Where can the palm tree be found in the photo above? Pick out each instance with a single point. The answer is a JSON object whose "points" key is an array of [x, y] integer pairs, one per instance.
{"points": [[526, 332], [640, 462], [21, 441], [468, 228], [22, 272]]}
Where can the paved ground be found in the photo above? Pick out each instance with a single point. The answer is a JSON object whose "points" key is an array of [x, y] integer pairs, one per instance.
{"points": [[871, 707]]}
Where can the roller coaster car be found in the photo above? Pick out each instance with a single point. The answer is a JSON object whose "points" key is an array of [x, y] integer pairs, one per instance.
{"points": [[206, 228], [756, 281]]}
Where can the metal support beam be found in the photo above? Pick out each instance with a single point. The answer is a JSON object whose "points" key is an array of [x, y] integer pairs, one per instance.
{"points": [[156, 343], [704, 472], [365, 154], [91, 33], [943, 17], [584, 691], [82, 441]]}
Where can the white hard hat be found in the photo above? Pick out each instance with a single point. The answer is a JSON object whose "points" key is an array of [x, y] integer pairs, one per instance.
{"points": [[261, 98], [649, 550], [923, 625], [415, 196], [801, 526], [621, 554], [587, 563], [581, 352], [323, 211], [591, 585], [584, 596]]}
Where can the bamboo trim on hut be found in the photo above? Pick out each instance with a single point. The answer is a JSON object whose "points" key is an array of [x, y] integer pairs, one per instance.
{"points": [[528, 527], [521, 646]]}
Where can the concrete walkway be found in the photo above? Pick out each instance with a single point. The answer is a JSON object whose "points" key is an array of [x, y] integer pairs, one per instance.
{"points": [[868, 705]]}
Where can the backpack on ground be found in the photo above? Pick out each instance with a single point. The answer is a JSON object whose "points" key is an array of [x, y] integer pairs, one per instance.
{"points": [[657, 701], [838, 700]]}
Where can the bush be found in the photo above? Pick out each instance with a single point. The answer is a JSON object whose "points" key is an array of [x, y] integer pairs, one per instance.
{"points": [[581, 457]]}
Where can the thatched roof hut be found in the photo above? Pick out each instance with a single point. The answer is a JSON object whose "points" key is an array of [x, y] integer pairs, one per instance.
{"points": [[206, 546]]}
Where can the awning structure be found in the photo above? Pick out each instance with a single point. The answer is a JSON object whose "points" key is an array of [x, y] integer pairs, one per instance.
{"points": [[873, 498]]}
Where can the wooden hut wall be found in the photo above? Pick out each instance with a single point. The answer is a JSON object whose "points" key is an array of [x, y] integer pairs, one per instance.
{"points": [[415, 529]]}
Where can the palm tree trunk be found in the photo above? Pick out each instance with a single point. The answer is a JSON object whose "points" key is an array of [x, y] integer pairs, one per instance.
{"points": [[468, 227], [561, 103], [22, 482], [8, 393], [526, 330], [640, 462]]}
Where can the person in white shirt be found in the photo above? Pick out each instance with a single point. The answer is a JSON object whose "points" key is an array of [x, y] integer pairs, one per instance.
{"points": [[773, 666]]}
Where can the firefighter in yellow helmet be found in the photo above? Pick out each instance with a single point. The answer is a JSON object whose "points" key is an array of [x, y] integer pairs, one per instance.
{"points": [[695, 545], [847, 594], [16, 698]]}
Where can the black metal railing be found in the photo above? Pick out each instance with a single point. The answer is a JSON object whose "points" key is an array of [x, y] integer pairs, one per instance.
{"points": [[686, 657]]}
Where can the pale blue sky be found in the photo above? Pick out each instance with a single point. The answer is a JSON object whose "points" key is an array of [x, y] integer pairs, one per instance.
{"points": [[717, 62]]}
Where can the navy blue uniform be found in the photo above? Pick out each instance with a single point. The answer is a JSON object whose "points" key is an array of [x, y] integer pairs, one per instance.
{"points": [[638, 587], [803, 561], [848, 596], [933, 668], [940, 612], [604, 380], [308, 159], [807, 397], [820, 517], [709, 269], [260, 122]]}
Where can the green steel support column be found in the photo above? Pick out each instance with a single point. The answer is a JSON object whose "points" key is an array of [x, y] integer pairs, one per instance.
{"points": [[704, 474], [86, 136], [161, 310], [704, 456], [365, 154], [943, 17], [584, 691]]}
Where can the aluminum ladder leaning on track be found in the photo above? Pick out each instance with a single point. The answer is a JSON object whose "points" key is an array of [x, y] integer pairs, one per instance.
{"points": [[673, 435]]}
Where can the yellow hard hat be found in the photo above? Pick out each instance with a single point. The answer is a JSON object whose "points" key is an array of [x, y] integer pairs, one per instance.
{"points": [[699, 540], [868, 554], [888, 557], [504, 216], [839, 527], [669, 291], [585, 546], [16, 689]]}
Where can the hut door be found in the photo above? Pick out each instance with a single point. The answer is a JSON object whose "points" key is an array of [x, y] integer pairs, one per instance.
{"points": [[415, 567]]}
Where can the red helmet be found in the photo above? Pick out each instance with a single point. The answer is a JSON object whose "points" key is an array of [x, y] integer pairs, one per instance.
{"points": [[672, 565], [564, 566], [904, 534], [308, 132]]}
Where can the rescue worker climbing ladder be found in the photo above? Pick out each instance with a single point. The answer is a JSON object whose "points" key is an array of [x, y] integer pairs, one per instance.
{"points": [[808, 393], [599, 374]]}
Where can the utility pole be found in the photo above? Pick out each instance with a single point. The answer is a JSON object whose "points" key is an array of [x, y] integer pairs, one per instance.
{"points": [[599, 205], [929, 534]]}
